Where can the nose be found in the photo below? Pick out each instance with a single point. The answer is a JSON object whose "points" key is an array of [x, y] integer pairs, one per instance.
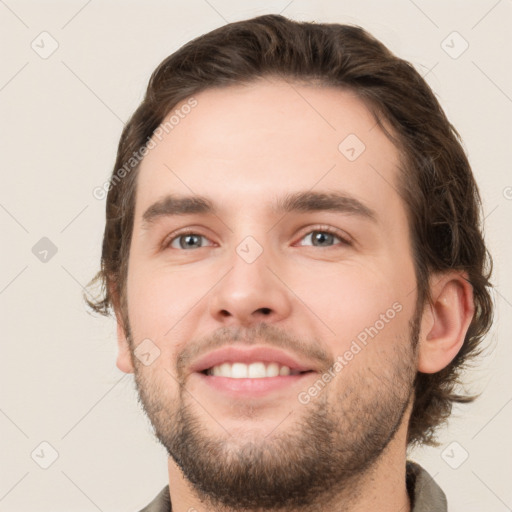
{"points": [[250, 292]]}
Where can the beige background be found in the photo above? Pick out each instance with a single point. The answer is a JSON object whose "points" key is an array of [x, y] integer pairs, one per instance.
{"points": [[61, 118]]}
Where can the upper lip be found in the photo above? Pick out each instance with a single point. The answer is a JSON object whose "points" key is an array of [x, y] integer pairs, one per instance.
{"points": [[248, 355]]}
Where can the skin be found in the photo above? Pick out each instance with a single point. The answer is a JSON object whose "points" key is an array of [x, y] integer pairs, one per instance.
{"points": [[242, 147]]}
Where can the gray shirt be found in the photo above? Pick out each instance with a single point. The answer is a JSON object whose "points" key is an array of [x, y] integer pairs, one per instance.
{"points": [[425, 494]]}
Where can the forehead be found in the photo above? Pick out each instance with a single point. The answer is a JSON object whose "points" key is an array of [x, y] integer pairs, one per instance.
{"points": [[244, 144]]}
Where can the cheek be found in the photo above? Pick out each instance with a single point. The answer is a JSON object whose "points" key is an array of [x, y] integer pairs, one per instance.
{"points": [[159, 298], [351, 297]]}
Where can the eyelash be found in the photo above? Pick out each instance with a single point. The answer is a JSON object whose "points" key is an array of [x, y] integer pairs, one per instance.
{"points": [[331, 231], [321, 229]]}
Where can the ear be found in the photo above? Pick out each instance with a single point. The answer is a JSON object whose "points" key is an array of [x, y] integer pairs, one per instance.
{"points": [[445, 321], [124, 356]]}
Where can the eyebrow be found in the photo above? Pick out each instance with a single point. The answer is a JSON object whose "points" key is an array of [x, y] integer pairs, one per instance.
{"points": [[307, 201]]}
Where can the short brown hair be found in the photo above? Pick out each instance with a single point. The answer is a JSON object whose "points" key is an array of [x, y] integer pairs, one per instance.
{"points": [[436, 181]]}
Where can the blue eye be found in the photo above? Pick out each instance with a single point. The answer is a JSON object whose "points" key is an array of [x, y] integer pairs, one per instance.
{"points": [[187, 241], [324, 237]]}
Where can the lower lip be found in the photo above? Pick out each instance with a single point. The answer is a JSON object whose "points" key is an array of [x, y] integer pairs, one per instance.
{"points": [[252, 387]]}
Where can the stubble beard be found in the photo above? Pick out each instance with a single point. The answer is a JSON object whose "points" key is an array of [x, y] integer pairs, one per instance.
{"points": [[318, 453]]}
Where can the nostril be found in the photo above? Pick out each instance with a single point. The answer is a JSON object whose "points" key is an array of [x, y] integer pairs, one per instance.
{"points": [[265, 311]]}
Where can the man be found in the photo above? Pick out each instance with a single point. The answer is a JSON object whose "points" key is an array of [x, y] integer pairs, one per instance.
{"points": [[294, 255]]}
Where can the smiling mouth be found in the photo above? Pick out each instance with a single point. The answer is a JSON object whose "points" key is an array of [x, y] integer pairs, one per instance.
{"points": [[255, 370]]}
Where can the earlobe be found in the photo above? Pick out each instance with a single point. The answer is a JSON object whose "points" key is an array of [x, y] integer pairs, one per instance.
{"points": [[446, 322], [124, 356]]}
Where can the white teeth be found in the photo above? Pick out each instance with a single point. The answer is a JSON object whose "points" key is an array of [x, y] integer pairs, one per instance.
{"points": [[253, 371], [239, 371], [256, 371], [272, 370], [284, 370], [221, 369]]}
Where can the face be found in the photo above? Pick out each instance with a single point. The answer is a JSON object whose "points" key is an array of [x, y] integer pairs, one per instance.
{"points": [[272, 321]]}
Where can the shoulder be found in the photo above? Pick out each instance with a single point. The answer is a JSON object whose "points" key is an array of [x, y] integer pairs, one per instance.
{"points": [[161, 503], [425, 493]]}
